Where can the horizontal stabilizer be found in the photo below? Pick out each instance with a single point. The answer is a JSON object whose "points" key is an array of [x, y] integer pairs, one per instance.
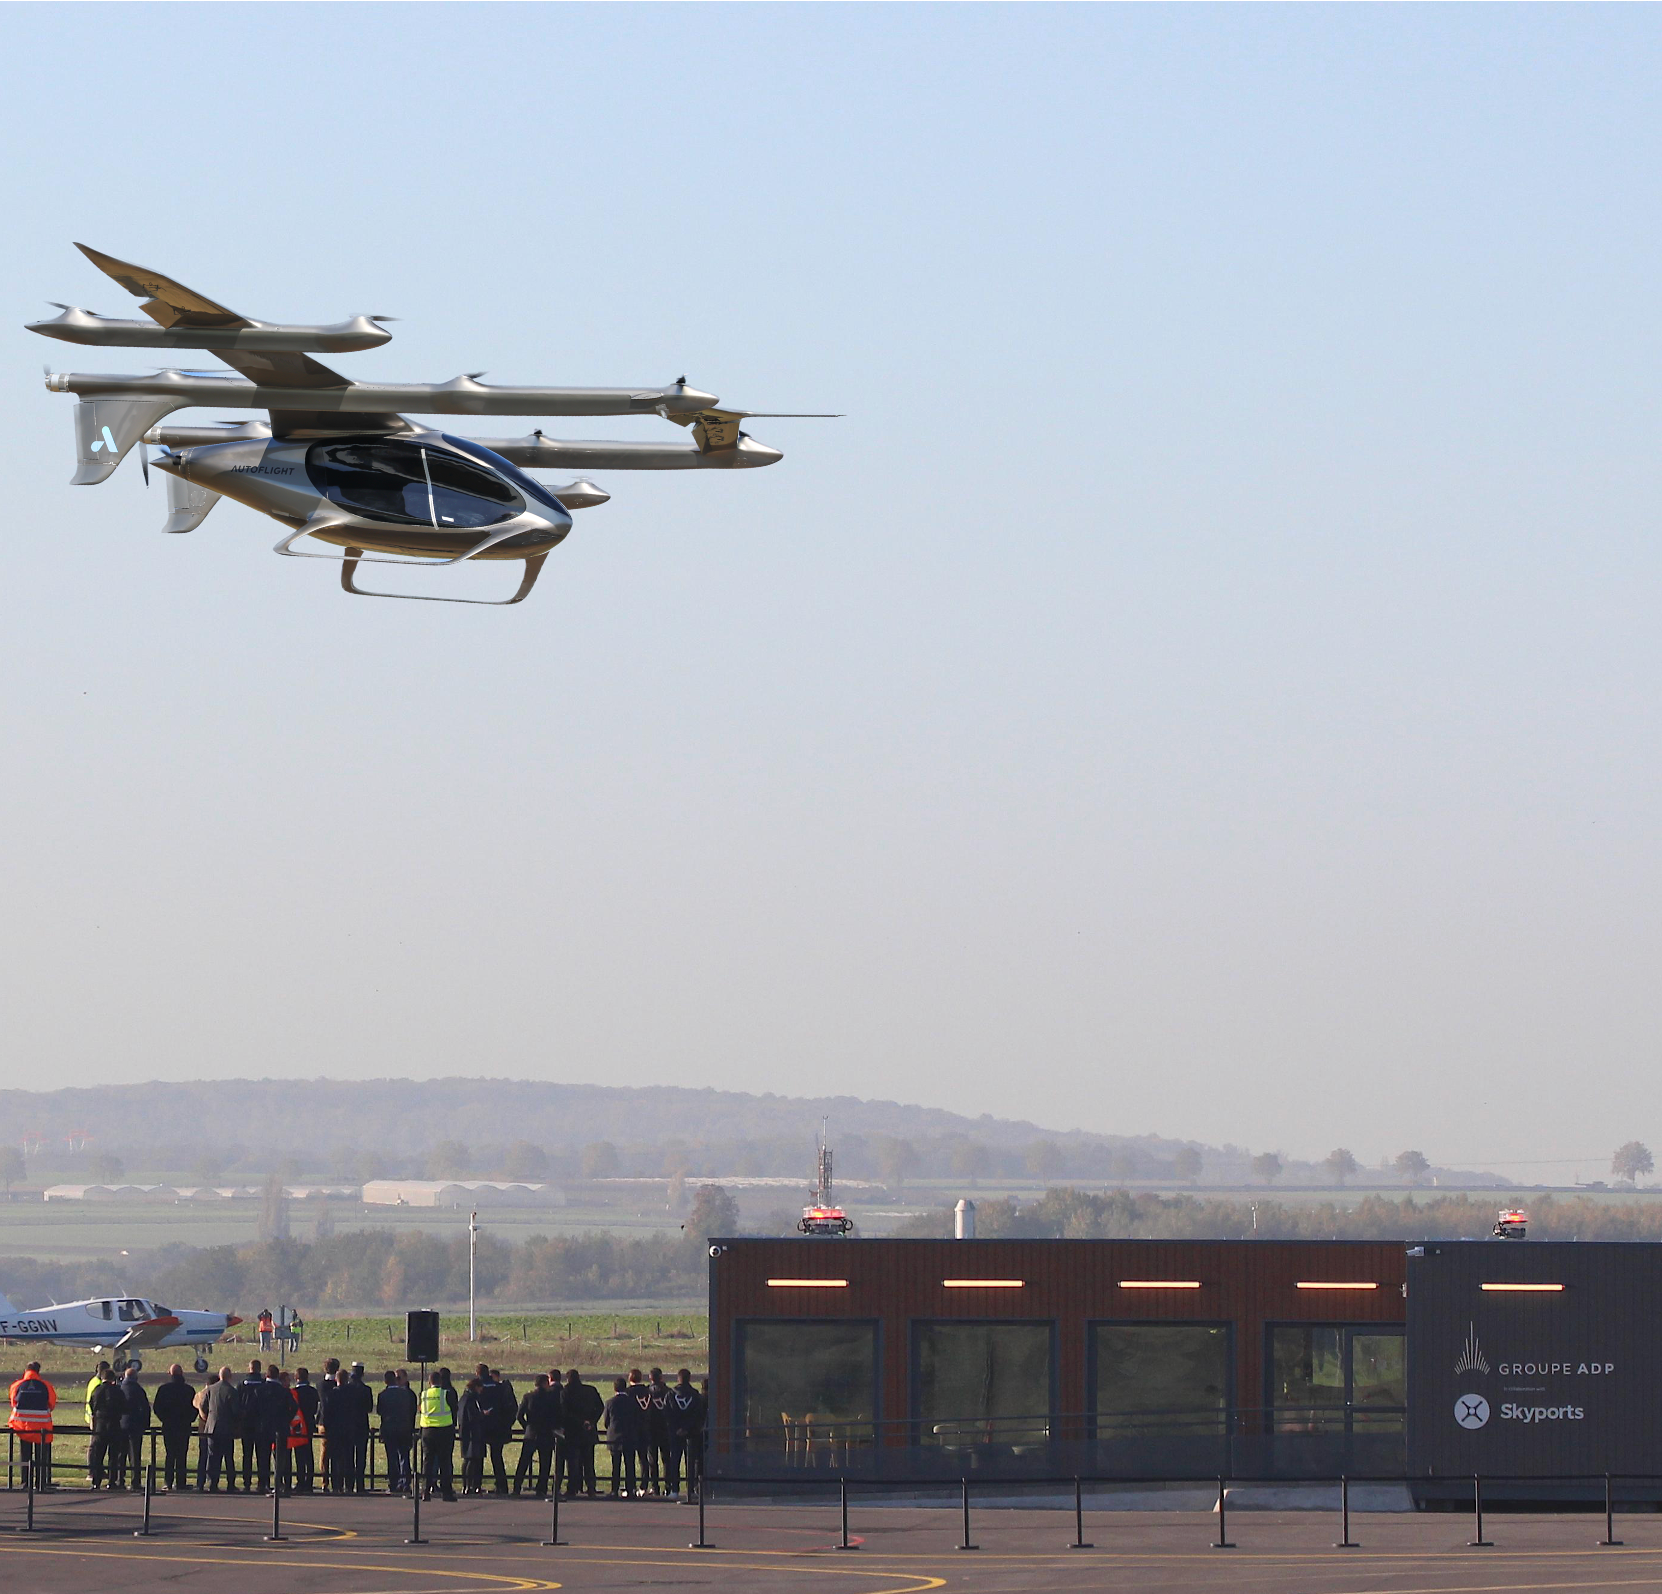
{"points": [[187, 504], [717, 430], [105, 429]]}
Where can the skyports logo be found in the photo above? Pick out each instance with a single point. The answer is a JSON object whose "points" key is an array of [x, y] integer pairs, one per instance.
{"points": [[1471, 1411], [1513, 1413]]}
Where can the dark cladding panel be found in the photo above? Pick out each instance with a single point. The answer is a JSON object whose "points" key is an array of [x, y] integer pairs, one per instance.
{"points": [[1538, 1382]]}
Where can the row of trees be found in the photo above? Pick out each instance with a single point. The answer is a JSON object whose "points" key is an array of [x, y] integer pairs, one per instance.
{"points": [[1069, 1214]]}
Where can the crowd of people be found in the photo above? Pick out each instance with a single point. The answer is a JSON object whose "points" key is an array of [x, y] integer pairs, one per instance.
{"points": [[293, 1436]]}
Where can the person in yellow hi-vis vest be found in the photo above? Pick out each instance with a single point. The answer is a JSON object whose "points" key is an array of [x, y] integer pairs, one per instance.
{"points": [[436, 1418], [92, 1388]]}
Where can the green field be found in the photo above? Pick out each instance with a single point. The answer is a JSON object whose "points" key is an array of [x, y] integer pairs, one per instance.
{"points": [[601, 1345]]}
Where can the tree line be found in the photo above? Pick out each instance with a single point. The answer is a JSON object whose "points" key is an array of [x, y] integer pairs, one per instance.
{"points": [[1071, 1214]]}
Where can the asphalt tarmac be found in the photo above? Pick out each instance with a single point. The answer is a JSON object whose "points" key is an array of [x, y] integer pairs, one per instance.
{"points": [[83, 1541]]}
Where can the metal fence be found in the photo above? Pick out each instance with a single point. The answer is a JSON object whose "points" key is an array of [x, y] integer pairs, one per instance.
{"points": [[1280, 1443], [33, 1511]]}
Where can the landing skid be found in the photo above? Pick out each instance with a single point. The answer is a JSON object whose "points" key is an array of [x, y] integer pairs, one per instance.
{"points": [[533, 569], [353, 557]]}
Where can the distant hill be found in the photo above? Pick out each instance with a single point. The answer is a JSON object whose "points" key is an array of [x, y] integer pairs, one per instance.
{"points": [[489, 1128], [400, 1117]]}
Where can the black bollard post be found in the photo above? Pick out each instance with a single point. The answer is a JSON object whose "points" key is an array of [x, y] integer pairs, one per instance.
{"points": [[1344, 1517], [143, 1529], [275, 1536], [966, 1545], [29, 1501], [1223, 1522], [11, 1447], [703, 1543], [419, 1466], [1079, 1517], [1609, 1541], [554, 1541], [842, 1501], [1479, 1543]]}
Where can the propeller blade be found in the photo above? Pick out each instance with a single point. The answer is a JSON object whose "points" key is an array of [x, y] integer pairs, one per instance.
{"points": [[144, 460]]}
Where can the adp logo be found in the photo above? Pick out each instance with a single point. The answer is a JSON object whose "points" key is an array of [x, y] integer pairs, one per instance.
{"points": [[1471, 1412]]}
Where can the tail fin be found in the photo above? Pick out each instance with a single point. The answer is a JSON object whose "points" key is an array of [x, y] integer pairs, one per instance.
{"points": [[6, 1307], [187, 504], [105, 429]]}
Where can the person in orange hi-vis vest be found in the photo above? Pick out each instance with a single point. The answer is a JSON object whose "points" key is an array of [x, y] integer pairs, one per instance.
{"points": [[299, 1438], [31, 1420]]}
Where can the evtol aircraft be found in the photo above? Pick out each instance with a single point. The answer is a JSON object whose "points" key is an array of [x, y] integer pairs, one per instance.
{"points": [[120, 1326], [336, 462]]}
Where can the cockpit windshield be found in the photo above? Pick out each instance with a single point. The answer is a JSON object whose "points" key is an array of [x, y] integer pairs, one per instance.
{"points": [[412, 484], [532, 489]]}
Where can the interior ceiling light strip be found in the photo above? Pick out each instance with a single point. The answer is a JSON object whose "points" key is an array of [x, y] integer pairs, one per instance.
{"points": [[1531, 1289], [983, 1284], [1159, 1284], [1317, 1284], [807, 1284]]}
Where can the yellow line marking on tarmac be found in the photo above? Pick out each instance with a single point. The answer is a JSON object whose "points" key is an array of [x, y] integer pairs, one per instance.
{"points": [[264, 1560], [921, 1581]]}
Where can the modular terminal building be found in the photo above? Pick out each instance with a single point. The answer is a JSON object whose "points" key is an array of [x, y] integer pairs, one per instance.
{"points": [[1129, 1360]]}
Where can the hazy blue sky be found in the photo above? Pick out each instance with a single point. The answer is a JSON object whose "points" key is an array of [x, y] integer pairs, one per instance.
{"points": [[1208, 684]]}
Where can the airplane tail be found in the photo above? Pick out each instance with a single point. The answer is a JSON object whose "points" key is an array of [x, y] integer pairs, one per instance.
{"points": [[6, 1307]]}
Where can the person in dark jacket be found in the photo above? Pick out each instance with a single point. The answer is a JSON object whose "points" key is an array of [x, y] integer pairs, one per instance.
{"points": [[135, 1424], [507, 1407], [360, 1406], [686, 1432], [657, 1429], [625, 1428], [256, 1443], [305, 1396], [396, 1407], [108, 1407], [219, 1430], [332, 1401], [582, 1411], [175, 1412], [474, 1420], [276, 1416], [646, 1470], [539, 1417], [498, 1423], [328, 1461]]}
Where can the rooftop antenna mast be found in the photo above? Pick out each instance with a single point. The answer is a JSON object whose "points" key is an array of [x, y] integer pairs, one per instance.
{"points": [[824, 1216]]}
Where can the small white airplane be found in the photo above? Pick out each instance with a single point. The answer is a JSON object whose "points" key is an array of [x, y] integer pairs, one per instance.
{"points": [[120, 1325]]}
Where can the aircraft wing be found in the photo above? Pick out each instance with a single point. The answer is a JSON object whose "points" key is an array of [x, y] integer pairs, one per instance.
{"points": [[171, 304], [330, 423], [152, 1331]]}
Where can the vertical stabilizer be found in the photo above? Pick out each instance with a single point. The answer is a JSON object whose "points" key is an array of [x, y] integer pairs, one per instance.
{"points": [[105, 429]]}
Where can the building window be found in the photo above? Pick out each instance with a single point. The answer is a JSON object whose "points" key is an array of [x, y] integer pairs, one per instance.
{"points": [[1160, 1378], [982, 1383], [807, 1388], [1336, 1378]]}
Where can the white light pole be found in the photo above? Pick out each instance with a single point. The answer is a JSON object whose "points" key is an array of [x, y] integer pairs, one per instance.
{"points": [[472, 1258]]}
